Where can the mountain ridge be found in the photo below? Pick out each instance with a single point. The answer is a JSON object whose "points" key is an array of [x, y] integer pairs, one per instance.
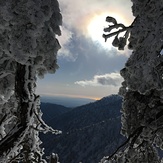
{"points": [[90, 131]]}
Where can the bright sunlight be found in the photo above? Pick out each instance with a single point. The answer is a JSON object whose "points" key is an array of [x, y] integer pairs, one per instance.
{"points": [[96, 26]]}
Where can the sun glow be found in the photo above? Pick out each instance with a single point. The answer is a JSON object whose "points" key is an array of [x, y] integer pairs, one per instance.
{"points": [[96, 26]]}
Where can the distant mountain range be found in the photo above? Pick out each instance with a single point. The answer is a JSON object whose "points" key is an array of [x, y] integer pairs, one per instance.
{"points": [[90, 131], [66, 101]]}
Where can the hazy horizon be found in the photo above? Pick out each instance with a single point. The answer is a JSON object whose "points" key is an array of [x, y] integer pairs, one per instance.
{"points": [[65, 100]]}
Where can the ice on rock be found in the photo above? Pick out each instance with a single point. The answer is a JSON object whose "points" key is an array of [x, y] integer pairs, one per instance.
{"points": [[28, 48], [143, 81]]}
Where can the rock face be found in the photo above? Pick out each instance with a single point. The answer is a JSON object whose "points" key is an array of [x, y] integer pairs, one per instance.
{"points": [[89, 132]]}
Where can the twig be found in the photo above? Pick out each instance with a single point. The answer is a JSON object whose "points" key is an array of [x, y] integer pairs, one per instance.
{"points": [[137, 132], [115, 33]]}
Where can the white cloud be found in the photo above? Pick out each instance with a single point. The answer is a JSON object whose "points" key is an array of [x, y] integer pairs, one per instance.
{"points": [[66, 36], [64, 41], [111, 79]]}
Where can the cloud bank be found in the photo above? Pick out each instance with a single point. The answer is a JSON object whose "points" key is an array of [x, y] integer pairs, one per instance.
{"points": [[111, 79], [78, 14]]}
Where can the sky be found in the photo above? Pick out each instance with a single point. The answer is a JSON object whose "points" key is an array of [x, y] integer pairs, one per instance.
{"points": [[88, 66]]}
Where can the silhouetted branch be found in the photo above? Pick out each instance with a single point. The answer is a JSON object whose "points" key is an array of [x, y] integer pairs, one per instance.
{"points": [[115, 33]]}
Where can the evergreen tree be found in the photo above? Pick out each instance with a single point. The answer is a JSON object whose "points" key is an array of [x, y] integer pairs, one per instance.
{"points": [[142, 89], [28, 48]]}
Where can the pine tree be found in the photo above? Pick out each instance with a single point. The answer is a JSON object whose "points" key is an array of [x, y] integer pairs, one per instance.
{"points": [[142, 89], [28, 49]]}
